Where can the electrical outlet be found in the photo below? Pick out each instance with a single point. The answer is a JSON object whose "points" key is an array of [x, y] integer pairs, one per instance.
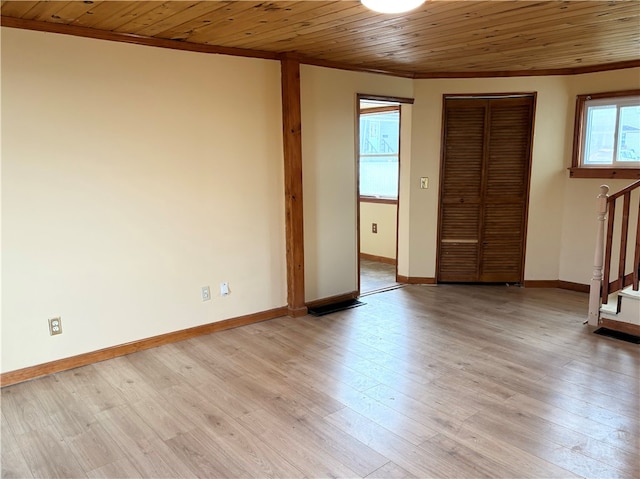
{"points": [[206, 293], [55, 326], [374, 227], [224, 289], [424, 182]]}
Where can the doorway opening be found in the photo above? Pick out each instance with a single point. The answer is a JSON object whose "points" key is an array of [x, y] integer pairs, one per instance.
{"points": [[378, 176]]}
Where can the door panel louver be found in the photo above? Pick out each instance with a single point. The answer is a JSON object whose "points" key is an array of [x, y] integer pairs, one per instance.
{"points": [[461, 191], [484, 188]]}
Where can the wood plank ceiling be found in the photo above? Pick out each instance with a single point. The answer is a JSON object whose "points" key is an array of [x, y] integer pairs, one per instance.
{"points": [[441, 38]]}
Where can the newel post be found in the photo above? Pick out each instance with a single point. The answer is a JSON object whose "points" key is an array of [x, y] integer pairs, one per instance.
{"points": [[598, 258]]}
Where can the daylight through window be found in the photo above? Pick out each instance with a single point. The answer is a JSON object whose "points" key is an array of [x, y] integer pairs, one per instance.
{"points": [[608, 131], [379, 148]]}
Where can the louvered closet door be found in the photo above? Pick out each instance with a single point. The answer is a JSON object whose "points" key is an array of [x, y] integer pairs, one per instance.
{"points": [[461, 190], [484, 185]]}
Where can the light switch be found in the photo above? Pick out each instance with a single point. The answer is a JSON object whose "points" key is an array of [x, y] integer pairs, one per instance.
{"points": [[424, 182]]}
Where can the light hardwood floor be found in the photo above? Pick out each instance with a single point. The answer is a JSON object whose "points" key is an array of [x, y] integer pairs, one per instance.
{"points": [[422, 381], [375, 276]]}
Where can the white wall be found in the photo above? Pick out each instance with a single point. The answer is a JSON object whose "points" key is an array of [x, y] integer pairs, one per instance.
{"points": [[547, 176], [329, 172], [382, 243], [404, 205], [561, 227], [131, 177]]}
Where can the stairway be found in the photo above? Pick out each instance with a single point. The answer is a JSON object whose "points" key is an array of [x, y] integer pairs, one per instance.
{"points": [[622, 311], [614, 296]]}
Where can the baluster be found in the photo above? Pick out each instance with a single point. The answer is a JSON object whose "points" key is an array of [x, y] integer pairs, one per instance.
{"points": [[622, 262], [596, 280], [636, 256], [608, 250]]}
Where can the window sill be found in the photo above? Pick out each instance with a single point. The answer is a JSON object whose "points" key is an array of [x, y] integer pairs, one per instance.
{"points": [[605, 173], [377, 199]]}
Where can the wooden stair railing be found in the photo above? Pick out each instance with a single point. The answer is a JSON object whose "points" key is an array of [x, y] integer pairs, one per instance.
{"points": [[602, 284]]}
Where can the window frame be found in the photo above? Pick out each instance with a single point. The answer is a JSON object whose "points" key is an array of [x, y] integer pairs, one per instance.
{"points": [[373, 111], [579, 170]]}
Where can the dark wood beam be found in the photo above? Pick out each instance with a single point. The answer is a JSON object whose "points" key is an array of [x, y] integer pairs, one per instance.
{"points": [[292, 143]]}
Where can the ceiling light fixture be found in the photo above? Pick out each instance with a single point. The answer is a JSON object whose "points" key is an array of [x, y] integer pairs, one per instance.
{"points": [[392, 6]]}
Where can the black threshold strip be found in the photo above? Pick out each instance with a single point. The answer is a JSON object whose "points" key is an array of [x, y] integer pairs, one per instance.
{"points": [[332, 308], [610, 333]]}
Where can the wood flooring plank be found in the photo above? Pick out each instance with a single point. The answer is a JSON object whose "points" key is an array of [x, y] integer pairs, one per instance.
{"points": [[7, 439], [622, 405], [434, 414], [87, 386], [410, 363], [308, 395], [302, 422], [527, 355], [143, 448], [219, 356], [186, 368], [548, 385], [303, 454], [120, 468], [625, 439], [252, 453], [203, 456], [12, 462], [127, 380], [446, 397], [229, 398], [22, 411], [344, 447], [47, 455], [577, 345], [338, 372], [621, 390], [156, 374], [94, 448], [382, 440], [311, 372], [473, 384], [559, 447], [412, 458], [526, 464], [457, 460], [591, 408], [396, 422], [613, 381], [67, 413], [305, 339], [390, 373], [423, 381], [163, 418], [391, 471], [299, 372], [273, 352]]}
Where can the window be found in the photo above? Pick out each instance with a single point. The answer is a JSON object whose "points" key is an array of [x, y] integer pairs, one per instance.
{"points": [[607, 136], [379, 148]]}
